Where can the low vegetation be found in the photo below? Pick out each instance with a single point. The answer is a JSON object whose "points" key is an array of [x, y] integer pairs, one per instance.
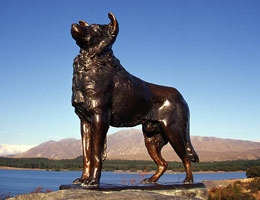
{"points": [[40, 190], [5, 196], [246, 190], [253, 172], [132, 165]]}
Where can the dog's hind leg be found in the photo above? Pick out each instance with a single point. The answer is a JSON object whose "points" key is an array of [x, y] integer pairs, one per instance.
{"points": [[175, 137], [154, 144]]}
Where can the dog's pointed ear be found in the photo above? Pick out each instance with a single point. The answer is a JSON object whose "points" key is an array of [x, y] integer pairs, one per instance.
{"points": [[113, 25]]}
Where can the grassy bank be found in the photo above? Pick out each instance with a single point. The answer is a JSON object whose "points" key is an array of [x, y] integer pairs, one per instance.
{"points": [[244, 189]]}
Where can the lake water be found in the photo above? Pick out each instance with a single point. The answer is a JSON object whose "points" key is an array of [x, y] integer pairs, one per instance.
{"points": [[25, 181]]}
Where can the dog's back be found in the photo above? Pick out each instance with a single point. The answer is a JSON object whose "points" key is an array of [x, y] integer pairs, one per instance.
{"points": [[135, 101]]}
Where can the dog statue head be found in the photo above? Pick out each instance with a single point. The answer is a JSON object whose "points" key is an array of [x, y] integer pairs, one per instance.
{"points": [[95, 38]]}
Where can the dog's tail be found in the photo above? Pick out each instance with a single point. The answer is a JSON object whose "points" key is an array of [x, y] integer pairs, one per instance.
{"points": [[189, 148], [104, 152]]}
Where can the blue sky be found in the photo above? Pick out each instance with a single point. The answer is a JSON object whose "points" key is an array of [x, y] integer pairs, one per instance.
{"points": [[208, 50]]}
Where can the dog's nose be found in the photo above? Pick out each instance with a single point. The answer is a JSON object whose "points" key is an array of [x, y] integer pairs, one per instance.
{"points": [[75, 27]]}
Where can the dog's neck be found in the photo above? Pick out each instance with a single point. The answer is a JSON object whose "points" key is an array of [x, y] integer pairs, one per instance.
{"points": [[99, 50], [101, 58], [91, 54], [106, 58]]}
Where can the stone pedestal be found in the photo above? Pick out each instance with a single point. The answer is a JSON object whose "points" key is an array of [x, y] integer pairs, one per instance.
{"points": [[143, 191], [124, 192]]}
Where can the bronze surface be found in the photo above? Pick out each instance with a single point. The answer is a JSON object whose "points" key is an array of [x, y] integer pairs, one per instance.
{"points": [[104, 94]]}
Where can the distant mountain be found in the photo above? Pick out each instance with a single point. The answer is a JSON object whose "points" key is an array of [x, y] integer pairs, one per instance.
{"points": [[8, 149], [129, 144], [63, 149]]}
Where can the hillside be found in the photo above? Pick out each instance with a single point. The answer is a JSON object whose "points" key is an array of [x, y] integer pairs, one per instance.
{"points": [[129, 144], [63, 149]]}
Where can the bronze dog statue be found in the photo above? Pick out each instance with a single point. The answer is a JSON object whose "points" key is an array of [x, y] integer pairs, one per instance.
{"points": [[105, 94]]}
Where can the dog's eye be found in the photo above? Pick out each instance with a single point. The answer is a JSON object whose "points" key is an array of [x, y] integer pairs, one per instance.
{"points": [[96, 30]]}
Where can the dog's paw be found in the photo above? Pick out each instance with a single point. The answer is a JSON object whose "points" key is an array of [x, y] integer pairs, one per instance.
{"points": [[187, 180], [90, 183], [147, 181], [78, 181]]}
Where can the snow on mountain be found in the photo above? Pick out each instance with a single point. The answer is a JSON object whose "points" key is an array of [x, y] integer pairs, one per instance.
{"points": [[8, 149]]}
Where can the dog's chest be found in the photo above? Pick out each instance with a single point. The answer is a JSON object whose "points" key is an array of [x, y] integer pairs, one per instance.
{"points": [[87, 75], [90, 81]]}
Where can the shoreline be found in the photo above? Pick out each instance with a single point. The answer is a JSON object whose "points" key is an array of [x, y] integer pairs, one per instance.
{"points": [[172, 172], [19, 168], [126, 172]]}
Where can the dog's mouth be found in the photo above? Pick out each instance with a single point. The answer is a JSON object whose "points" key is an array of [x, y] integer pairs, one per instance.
{"points": [[79, 29], [76, 27]]}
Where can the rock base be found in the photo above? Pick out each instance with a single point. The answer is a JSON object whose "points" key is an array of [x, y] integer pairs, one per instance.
{"points": [[147, 191], [111, 191]]}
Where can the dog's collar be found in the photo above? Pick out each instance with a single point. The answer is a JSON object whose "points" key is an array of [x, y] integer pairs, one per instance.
{"points": [[98, 58]]}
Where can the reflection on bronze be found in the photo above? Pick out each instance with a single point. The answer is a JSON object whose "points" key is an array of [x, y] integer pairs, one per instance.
{"points": [[83, 23], [104, 94]]}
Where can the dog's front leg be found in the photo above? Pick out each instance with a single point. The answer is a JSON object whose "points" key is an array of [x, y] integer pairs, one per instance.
{"points": [[86, 137], [100, 126]]}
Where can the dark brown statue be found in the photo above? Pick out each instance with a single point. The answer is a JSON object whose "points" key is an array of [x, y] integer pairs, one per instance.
{"points": [[105, 94]]}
